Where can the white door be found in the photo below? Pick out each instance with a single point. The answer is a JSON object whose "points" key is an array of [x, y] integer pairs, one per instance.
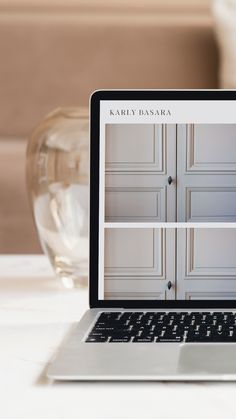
{"points": [[139, 263], [139, 159], [206, 172], [206, 264]]}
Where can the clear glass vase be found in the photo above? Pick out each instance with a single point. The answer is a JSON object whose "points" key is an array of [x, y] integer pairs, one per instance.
{"points": [[57, 179]]}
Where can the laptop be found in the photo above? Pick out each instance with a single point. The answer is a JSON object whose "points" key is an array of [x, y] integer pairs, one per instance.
{"points": [[162, 272]]}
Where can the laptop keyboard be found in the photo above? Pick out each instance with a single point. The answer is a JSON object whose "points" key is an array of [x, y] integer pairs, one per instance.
{"points": [[151, 327]]}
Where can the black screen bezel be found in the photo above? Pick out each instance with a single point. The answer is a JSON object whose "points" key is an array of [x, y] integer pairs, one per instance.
{"points": [[128, 95]]}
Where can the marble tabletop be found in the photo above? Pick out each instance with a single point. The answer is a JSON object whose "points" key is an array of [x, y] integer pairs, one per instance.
{"points": [[36, 313]]}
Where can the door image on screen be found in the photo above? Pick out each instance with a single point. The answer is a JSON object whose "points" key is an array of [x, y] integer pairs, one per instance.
{"points": [[169, 172], [169, 263]]}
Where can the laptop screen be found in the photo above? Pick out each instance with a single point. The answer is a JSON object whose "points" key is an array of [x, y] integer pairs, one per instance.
{"points": [[167, 200]]}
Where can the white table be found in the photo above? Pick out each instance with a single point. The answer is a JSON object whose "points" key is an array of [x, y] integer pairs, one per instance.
{"points": [[36, 313]]}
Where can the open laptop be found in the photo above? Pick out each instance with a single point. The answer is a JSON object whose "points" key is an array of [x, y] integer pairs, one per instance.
{"points": [[162, 240]]}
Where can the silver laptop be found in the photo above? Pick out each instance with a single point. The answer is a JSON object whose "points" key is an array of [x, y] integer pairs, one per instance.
{"points": [[162, 280]]}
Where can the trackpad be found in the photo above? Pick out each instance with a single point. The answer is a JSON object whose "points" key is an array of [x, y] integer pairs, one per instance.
{"points": [[207, 359]]}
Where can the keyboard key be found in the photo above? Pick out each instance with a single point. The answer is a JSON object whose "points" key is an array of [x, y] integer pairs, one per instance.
{"points": [[120, 339], [96, 339], [144, 339]]}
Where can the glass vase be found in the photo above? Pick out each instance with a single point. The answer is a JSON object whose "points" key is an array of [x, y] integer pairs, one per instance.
{"points": [[57, 180]]}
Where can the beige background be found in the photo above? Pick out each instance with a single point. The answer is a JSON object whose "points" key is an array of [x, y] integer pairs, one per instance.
{"points": [[55, 53]]}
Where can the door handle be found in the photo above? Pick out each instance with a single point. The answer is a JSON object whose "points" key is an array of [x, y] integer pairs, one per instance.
{"points": [[170, 180], [169, 285]]}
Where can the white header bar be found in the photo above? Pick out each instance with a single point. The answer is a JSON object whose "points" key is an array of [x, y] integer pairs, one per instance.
{"points": [[163, 111]]}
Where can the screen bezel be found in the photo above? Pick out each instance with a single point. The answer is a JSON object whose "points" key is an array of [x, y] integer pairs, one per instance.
{"points": [[95, 99]]}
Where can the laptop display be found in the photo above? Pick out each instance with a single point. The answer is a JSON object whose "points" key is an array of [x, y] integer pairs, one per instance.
{"points": [[167, 195]]}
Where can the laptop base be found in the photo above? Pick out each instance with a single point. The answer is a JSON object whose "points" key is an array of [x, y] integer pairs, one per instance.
{"points": [[77, 360]]}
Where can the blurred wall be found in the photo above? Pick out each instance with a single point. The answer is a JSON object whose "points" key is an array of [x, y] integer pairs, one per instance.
{"points": [[55, 53]]}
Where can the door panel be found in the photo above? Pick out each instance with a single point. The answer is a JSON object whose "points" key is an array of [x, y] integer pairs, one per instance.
{"points": [[139, 160], [139, 263], [210, 296], [134, 251], [206, 172], [211, 147], [138, 147], [210, 204], [135, 204], [206, 263]]}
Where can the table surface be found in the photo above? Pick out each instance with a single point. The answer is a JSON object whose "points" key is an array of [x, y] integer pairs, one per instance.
{"points": [[36, 312]]}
